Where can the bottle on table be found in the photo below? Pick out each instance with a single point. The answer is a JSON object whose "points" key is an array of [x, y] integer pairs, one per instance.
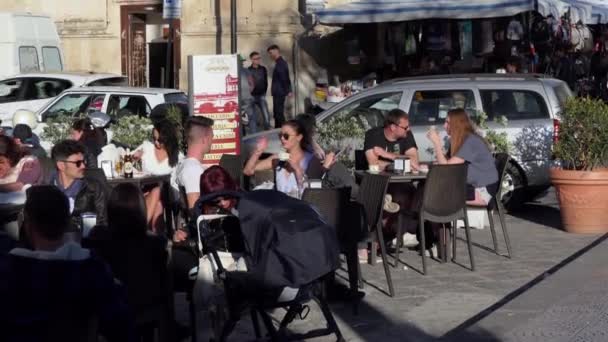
{"points": [[128, 165]]}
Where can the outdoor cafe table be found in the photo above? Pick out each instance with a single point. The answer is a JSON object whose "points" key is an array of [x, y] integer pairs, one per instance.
{"points": [[140, 181], [401, 178]]}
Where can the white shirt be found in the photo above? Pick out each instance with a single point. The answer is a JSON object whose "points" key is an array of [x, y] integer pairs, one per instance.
{"points": [[188, 174], [150, 164], [515, 30]]}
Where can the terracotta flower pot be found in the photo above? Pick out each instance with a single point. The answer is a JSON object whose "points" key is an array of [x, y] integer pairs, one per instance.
{"points": [[583, 199]]}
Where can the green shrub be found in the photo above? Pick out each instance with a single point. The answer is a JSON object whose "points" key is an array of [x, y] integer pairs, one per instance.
{"points": [[342, 133], [583, 135]]}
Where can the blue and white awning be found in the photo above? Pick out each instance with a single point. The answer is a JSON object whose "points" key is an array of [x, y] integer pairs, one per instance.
{"points": [[595, 11], [378, 11]]}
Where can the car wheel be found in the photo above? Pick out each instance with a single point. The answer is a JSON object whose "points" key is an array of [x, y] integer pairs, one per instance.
{"points": [[513, 188]]}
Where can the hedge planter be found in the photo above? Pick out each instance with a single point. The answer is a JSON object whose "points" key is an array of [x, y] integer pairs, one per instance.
{"points": [[583, 200]]}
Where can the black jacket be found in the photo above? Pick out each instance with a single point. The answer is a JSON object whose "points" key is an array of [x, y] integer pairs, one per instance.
{"points": [[260, 80], [281, 83], [93, 197]]}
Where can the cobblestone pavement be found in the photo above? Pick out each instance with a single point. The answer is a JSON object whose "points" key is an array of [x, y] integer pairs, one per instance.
{"points": [[452, 302]]}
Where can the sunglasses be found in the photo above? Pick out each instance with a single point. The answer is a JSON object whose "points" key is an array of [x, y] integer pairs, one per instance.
{"points": [[284, 136], [402, 127], [78, 163]]}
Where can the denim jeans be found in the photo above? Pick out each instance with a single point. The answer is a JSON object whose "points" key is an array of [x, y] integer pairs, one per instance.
{"points": [[260, 101], [247, 107]]}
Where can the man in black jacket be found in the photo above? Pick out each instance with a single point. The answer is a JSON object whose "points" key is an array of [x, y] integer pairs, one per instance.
{"points": [[281, 85], [84, 194], [260, 80]]}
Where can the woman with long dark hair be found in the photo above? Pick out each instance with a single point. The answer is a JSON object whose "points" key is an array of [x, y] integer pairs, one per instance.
{"points": [[295, 164], [158, 157], [93, 138], [466, 146]]}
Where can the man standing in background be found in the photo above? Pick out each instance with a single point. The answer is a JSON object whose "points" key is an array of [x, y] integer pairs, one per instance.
{"points": [[281, 85], [260, 86]]}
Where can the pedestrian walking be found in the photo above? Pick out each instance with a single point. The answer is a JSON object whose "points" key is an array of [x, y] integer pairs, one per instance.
{"points": [[281, 85], [260, 81]]}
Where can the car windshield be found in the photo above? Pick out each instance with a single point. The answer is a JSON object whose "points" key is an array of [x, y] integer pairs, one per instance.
{"points": [[74, 105], [563, 93], [176, 98], [110, 81]]}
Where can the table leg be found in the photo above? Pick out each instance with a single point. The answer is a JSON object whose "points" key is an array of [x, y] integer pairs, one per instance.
{"points": [[399, 238]]}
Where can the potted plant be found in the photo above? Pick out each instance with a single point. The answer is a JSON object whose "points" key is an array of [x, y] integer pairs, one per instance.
{"points": [[581, 177]]}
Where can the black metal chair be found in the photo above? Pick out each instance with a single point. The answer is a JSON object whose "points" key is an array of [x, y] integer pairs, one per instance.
{"points": [[502, 161], [234, 165], [444, 201], [371, 197], [334, 205]]}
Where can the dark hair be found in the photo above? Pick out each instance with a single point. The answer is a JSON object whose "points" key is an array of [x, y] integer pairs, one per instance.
{"points": [[47, 210], [167, 134], [22, 132], [393, 117], [273, 47], [127, 210], [300, 128], [196, 121], [309, 121], [216, 178], [65, 148], [10, 150], [254, 53], [90, 133]]}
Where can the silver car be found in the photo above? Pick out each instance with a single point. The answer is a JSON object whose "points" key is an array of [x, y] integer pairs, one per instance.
{"points": [[530, 103]]}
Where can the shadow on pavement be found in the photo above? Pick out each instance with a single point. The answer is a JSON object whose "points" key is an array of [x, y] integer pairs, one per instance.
{"points": [[372, 325], [542, 214]]}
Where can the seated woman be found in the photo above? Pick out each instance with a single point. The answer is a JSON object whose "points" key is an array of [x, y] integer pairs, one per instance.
{"points": [[466, 146], [136, 258], [91, 137], [158, 158], [18, 170], [293, 166]]}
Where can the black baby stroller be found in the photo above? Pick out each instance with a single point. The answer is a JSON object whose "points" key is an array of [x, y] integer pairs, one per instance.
{"points": [[287, 250]]}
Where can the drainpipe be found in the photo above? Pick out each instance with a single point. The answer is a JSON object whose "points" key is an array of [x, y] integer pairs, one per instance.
{"points": [[232, 26]]}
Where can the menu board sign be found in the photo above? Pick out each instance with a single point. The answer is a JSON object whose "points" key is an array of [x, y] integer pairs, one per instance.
{"points": [[214, 92]]}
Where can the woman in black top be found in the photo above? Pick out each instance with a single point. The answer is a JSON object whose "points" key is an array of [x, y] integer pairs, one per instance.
{"points": [[91, 137]]}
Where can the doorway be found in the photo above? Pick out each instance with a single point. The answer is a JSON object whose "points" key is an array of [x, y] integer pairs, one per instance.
{"points": [[144, 46]]}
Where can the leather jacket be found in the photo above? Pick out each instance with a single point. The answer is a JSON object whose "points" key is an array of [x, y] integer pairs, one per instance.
{"points": [[93, 197]]}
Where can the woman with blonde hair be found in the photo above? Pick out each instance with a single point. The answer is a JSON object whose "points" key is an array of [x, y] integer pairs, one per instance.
{"points": [[467, 146]]}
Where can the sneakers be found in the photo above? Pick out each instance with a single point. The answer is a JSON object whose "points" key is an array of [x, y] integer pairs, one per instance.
{"points": [[409, 240]]}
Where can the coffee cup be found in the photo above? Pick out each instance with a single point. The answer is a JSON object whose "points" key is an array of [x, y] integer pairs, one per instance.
{"points": [[89, 220], [283, 156], [407, 166], [374, 168]]}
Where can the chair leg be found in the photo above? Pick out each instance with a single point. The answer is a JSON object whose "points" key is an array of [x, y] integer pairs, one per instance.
{"points": [[492, 229], [454, 239], [503, 224], [399, 239], [353, 266], [256, 324], [192, 309], [385, 263], [422, 245], [329, 317], [361, 279], [467, 229]]}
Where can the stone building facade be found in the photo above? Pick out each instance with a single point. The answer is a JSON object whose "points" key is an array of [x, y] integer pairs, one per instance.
{"points": [[128, 36]]}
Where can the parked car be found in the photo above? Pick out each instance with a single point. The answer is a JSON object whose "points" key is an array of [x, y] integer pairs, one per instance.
{"points": [[29, 43], [114, 101], [531, 103], [32, 91]]}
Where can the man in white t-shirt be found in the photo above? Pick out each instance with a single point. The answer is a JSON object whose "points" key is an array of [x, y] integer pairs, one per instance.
{"points": [[199, 135]]}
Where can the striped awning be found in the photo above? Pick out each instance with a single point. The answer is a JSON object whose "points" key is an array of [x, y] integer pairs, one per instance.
{"points": [[378, 11]]}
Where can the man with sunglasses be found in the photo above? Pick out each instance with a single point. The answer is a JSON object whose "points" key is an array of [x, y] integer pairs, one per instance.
{"points": [[84, 194], [383, 144]]}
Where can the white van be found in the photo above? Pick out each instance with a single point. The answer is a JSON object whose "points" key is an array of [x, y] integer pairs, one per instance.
{"points": [[28, 43]]}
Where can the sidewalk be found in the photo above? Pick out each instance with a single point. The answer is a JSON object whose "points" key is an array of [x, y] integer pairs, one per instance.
{"points": [[449, 299]]}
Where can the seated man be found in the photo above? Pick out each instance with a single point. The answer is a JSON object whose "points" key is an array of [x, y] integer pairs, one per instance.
{"points": [[84, 194], [383, 145], [23, 137], [56, 290]]}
